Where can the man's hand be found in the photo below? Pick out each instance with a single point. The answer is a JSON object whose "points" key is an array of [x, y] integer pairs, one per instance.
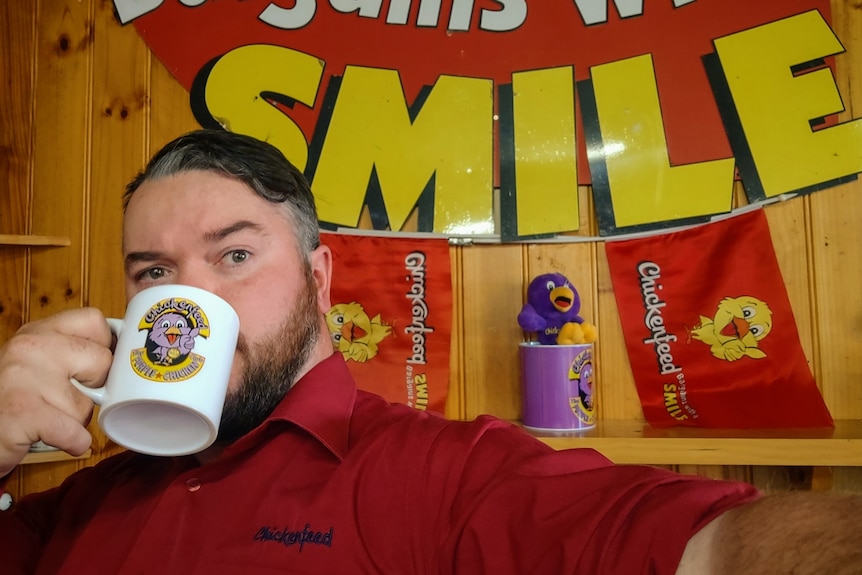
{"points": [[37, 400]]}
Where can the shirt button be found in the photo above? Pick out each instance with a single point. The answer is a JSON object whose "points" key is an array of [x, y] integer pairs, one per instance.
{"points": [[193, 484]]}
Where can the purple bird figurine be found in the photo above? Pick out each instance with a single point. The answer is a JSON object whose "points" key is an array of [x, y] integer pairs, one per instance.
{"points": [[551, 312]]}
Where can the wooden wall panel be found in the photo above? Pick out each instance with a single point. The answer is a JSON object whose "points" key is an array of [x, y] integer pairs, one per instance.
{"points": [[836, 243], [119, 125], [789, 224], [61, 152], [88, 103], [64, 32], [17, 29], [492, 280], [457, 361], [170, 113]]}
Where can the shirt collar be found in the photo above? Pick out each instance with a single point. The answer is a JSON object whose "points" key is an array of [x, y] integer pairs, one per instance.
{"points": [[321, 403]]}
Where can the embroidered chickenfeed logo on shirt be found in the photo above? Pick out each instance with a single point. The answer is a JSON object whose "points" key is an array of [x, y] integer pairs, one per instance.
{"points": [[172, 326], [289, 538]]}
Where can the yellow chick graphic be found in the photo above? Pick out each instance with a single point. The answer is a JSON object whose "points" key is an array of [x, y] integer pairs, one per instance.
{"points": [[739, 324], [353, 333]]}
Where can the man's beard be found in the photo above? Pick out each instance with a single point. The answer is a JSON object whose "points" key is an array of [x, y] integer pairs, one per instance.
{"points": [[271, 367]]}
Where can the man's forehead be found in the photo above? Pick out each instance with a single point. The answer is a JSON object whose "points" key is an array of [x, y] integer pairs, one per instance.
{"points": [[198, 195], [157, 216], [191, 186]]}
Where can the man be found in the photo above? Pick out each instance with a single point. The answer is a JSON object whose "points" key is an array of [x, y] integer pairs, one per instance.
{"points": [[310, 475]]}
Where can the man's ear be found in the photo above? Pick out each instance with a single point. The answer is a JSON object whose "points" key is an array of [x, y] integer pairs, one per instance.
{"points": [[321, 271]]}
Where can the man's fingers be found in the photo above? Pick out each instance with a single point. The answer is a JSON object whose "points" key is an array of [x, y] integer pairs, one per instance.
{"points": [[54, 355], [25, 419], [86, 323], [67, 433]]}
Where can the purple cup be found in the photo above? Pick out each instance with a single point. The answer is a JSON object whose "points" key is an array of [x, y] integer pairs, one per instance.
{"points": [[557, 387]]}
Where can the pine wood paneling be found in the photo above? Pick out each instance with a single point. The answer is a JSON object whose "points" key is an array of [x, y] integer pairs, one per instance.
{"points": [[64, 32], [61, 152], [492, 280], [16, 77], [836, 242], [456, 398], [788, 222], [119, 126], [170, 113]]}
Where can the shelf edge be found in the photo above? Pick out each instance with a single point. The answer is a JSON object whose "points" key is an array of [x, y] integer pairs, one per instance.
{"points": [[687, 451], [634, 443], [33, 240], [51, 456]]}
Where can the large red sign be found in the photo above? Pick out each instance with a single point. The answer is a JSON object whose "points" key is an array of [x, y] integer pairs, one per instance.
{"points": [[405, 104], [540, 35]]}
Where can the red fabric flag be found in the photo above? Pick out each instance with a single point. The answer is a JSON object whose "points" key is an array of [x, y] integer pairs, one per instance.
{"points": [[391, 315], [709, 330]]}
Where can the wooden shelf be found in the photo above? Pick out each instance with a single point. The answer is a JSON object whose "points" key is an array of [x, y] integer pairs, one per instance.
{"points": [[49, 456], [29, 240], [634, 442]]}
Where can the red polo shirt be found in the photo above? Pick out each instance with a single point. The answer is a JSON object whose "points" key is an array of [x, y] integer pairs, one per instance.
{"points": [[339, 481]]}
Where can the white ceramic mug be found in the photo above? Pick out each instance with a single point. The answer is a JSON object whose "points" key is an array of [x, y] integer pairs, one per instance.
{"points": [[166, 387]]}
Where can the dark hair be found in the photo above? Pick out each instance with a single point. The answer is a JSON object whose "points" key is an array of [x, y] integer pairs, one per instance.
{"points": [[259, 165]]}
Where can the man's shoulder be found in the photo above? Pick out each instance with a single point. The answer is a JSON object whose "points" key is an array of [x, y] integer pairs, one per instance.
{"points": [[375, 418]]}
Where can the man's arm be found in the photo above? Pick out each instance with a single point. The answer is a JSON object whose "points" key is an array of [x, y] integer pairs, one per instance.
{"points": [[801, 533]]}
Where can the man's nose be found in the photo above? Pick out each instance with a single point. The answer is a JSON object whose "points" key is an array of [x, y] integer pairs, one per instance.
{"points": [[199, 278]]}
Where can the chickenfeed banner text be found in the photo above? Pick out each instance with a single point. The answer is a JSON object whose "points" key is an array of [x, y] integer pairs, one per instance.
{"points": [[391, 315], [710, 334]]}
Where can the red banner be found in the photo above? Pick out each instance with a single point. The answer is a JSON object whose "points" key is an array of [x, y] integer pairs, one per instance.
{"points": [[709, 329], [391, 315]]}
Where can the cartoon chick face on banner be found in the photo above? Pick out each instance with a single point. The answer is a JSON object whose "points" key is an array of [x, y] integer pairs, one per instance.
{"points": [[736, 329], [353, 333]]}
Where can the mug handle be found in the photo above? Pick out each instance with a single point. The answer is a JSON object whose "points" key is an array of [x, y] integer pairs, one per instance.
{"points": [[97, 394]]}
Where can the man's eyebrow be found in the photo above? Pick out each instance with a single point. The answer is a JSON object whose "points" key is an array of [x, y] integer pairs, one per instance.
{"points": [[222, 233], [133, 258]]}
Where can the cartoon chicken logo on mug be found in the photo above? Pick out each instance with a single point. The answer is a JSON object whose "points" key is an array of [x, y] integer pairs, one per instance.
{"points": [[172, 327]]}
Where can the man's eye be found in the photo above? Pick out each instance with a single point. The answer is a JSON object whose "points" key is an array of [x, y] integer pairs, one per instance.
{"points": [[152, 274], [238, 256]]}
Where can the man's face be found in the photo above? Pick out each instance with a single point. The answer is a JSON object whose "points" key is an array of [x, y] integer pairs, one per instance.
{"points": [[202, 229]]}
